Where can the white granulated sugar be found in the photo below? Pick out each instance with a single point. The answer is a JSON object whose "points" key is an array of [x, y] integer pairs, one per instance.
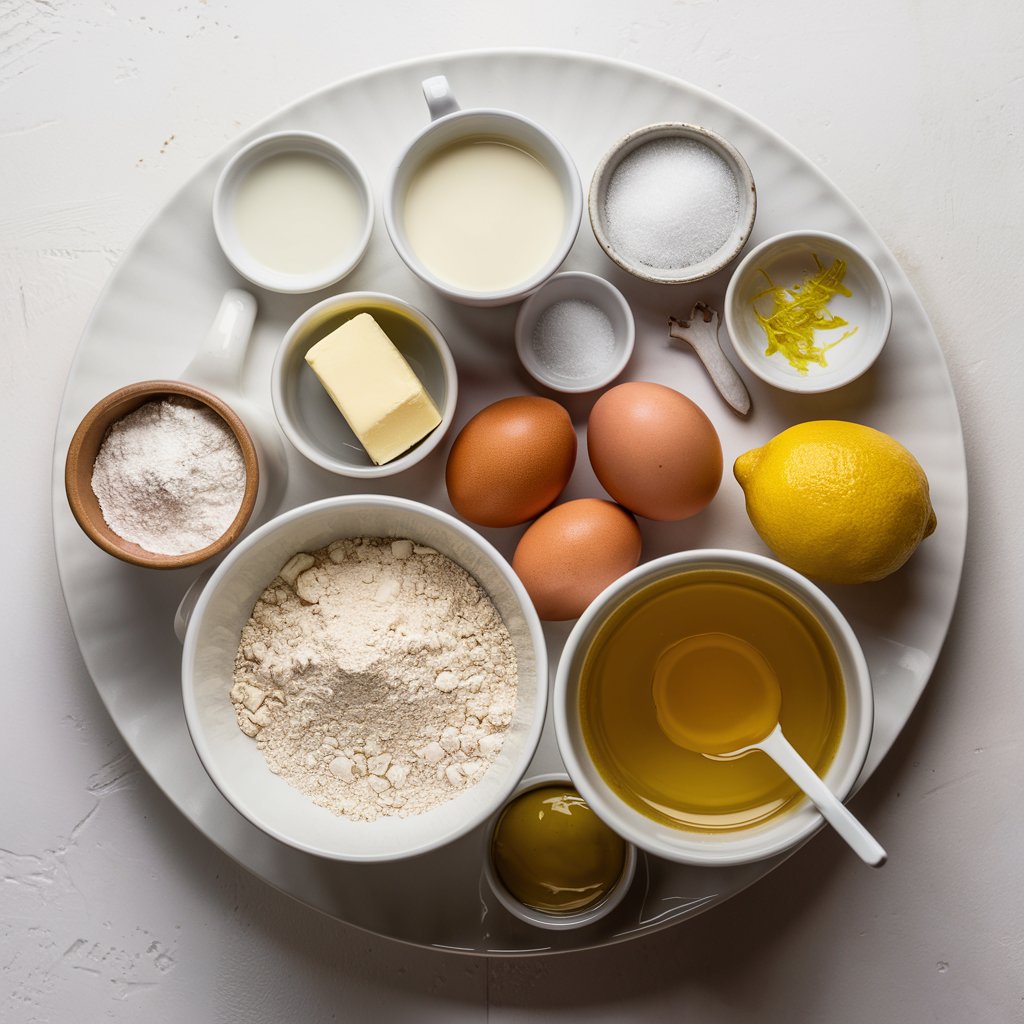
{"points": [[169, 476], [376, 677], [574, 339], [671, 203]]}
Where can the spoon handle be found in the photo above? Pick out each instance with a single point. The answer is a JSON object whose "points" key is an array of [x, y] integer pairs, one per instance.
{"points": [[778, 748]]}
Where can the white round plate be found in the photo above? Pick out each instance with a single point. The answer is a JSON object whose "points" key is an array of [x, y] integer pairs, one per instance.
{"points": [[162, 296]]}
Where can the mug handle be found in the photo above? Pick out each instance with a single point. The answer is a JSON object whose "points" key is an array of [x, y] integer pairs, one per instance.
{"points": [[188, 603], [217, 366], [439, 96], [218, 362]]}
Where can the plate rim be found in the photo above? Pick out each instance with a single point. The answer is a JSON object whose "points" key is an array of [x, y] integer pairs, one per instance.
{"points": [[665, 80]]}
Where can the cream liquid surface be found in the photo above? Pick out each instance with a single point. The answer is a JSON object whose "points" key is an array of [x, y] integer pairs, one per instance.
{"points": [[483, 215], [297, 213]]}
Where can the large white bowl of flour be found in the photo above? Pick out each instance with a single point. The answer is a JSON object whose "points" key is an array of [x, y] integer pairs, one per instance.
{"points": [[472, 782]]}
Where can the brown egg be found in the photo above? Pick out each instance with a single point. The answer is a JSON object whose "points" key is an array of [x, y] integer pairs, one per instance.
{"points": [[569, 555], [654, 450], [511, 461]]}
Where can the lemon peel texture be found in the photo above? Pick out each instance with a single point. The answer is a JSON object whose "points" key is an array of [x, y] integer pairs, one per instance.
{"points": [[837, 501]]}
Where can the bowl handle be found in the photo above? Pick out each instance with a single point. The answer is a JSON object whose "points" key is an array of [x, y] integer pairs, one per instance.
{"points": [[188, 603], [217, 366], [439, 96], [218, 362]]}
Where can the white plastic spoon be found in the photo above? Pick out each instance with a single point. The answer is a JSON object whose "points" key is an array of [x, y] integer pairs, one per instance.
{"points": [[716, 695]]}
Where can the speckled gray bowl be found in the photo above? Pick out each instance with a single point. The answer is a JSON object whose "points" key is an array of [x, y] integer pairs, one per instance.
{"points": [[729, 249]]}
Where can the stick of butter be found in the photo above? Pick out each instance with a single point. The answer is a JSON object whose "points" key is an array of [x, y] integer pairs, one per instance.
{"points": [[374, 388]]}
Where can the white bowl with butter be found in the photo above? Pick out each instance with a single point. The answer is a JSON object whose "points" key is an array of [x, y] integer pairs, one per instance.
{"points": [[483, 205], [356, 406], [293, 212]]}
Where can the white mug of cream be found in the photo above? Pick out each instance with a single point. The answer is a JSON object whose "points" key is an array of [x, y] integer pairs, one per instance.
{"points": [[483, 204]]}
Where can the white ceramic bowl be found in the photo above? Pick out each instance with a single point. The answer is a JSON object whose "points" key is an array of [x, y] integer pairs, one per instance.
{"points": [[588, 288], [308, 415], [539, 918], [451, 125], [722, 848], [714, 262], [232, 760], [225, 225], [788, 259]]}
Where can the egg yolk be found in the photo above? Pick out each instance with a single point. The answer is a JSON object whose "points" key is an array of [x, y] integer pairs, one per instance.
{"points": [[553, 854]]}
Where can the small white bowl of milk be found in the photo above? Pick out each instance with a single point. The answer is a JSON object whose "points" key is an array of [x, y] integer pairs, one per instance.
{"points": [[293, 212]]}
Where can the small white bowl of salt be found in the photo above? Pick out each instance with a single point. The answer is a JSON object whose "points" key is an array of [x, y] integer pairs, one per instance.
{"points": [[575, 334]]}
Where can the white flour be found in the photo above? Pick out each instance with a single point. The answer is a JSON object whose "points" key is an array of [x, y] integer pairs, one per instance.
{"points": [[376, 677], [169, 476]]}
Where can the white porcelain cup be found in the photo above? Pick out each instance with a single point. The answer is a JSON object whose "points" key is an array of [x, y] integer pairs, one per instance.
{"points": [[226, 225], [449, 126]]}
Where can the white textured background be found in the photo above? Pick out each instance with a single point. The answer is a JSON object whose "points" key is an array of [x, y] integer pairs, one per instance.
{"points": [[113, 908]]}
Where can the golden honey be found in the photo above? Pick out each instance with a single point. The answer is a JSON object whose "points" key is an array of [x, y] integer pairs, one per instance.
{"points": [[714, 616], [553, 854]]}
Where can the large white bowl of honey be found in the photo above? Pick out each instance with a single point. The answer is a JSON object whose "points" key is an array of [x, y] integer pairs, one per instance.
{"points": [[687, 624]]}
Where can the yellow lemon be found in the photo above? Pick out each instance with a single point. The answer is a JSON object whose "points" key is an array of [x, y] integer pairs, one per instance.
{"points": [[838, 501]]}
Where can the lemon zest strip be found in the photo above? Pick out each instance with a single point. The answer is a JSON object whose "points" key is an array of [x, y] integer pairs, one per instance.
{"points": [[798, 312]]}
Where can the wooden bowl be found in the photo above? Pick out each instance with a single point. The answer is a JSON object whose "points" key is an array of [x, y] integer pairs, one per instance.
{"points": [[85, 446]]}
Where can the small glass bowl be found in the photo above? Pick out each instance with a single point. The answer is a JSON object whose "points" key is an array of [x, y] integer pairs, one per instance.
{"points": [[540, 918], [588, 288]]}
